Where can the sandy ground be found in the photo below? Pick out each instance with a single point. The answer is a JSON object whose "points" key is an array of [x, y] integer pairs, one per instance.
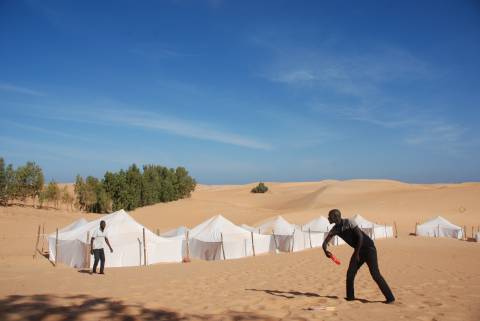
{"points": [[433, 279]]}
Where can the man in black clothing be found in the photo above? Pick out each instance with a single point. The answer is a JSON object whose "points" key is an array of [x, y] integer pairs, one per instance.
{"points": [[365, 252]]}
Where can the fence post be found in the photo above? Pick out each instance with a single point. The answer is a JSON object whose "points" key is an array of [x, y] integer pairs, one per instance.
{"points": [[144, 249], [36, 243], [56, 247], [253, 244]]}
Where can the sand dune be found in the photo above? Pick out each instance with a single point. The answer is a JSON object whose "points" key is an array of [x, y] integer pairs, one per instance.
{"points": [[433, 279]]}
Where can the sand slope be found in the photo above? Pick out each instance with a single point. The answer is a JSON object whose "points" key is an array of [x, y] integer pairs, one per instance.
{"points": [[433, 279]]}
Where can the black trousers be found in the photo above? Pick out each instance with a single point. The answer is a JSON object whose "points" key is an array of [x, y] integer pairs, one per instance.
{"points": [[369, 256], [98, 254]]}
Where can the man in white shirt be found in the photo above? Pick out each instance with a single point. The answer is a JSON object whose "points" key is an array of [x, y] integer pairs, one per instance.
{"points": [[97, 243]]}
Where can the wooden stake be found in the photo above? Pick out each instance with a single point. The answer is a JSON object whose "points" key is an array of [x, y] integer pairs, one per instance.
{"points": [[416, 226], [144, 249], [465, 232], [293, 241], [56, 247], [188, 245], [223, 249], [158, 232], [275, 240], [253, 244], [87, 252], [36, 243], [43, 236], [472, 232], [396, 231], [139, 251], [310, 237]]}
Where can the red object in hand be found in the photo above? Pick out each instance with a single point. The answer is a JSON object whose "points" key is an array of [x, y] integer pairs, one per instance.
{"points": [[334, 259]]}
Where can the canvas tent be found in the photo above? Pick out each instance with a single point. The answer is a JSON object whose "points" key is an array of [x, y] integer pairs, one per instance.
{"points": [[74, 225], [319, 228], [439, 227], [287, 237], [217, 238], [375, 231], [477, 237], [176, 232], [125, 236]]}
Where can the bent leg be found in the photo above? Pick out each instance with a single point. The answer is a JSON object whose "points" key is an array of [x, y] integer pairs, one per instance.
{"points": [[351, 273], [372, 263]]}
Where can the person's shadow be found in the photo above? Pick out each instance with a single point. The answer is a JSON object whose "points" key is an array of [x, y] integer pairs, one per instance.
{"points": [[293, 294]]}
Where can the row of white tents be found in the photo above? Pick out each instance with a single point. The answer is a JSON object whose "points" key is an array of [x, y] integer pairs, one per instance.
{"points": [[215, 239]]}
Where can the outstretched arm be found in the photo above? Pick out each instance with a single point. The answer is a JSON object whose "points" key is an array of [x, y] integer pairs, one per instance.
{"points": [[326, 241]]}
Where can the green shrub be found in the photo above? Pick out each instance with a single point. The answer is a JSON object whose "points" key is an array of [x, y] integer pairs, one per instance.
{"points": [[260, 188]]}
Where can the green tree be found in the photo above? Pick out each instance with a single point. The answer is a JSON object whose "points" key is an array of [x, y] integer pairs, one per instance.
{"points": [[3, 183], [260, 188], [79, 189], [30, 181], [53, 193], [67, 198]]}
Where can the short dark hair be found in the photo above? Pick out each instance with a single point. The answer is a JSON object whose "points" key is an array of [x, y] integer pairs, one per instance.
{"points": [[102, 221], [335, 213]]}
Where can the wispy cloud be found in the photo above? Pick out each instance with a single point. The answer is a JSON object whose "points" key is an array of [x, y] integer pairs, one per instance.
{"points": [[185, 128], [132, 117], [20, 90]]}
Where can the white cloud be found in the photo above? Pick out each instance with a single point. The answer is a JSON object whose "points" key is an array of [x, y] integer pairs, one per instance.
{"points": [[19, 90]]}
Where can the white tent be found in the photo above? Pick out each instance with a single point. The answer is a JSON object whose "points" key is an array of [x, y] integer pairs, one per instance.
{"points": [[477, 237], [319, 228], [287, 237], [217, 238], [73, 226], [439, 227], [375, 231], [176, 232], [125, 236], [249, 228]]}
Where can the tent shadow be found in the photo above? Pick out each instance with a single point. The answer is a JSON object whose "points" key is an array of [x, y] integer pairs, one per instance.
{"points": [[293, 294], [85, 307]]}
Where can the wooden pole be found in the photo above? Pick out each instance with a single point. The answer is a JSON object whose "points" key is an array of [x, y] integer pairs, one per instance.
{"points": [[396, 231], [188, 245], [43, 236], [87, 251], [465, 232], [223, 249], [275, 240], [253, 244], [472, 232], [293, 241], [158, 232], [139, 251], [36, 243], [438, 230], [56, 247], [310, 237], [144, 249], [416, 226]]}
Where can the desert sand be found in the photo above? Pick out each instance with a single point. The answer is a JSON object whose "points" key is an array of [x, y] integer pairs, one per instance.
{"points": [[432, 279]]}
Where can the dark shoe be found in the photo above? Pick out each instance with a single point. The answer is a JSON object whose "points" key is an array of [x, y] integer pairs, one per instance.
{"points": [[102, 273], [350, 299], [389, 301], [93, 272]]}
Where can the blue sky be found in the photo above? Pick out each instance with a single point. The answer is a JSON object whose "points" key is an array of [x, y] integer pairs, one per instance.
{"points": [[243, 91]]}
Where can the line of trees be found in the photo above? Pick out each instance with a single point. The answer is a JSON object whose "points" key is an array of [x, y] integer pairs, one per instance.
{"points": [[127, 189], [132, 188], [27, 182]]}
